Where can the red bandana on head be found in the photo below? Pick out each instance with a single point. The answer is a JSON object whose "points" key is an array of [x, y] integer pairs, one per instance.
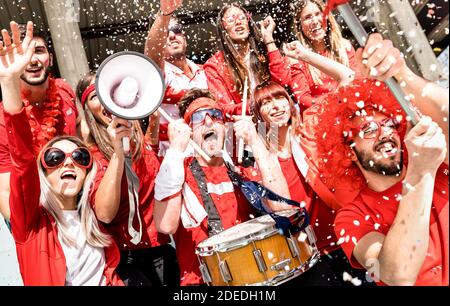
{"points": [[45, 130], [202, 102]]}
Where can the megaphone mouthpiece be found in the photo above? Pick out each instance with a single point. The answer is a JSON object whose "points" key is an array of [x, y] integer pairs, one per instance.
{"points": [[125, 93]]}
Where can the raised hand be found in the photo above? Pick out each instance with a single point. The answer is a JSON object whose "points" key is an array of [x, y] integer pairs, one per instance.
{"points": [[14, 54], [244, 128], [296, 50], [267, 27], [179, 135], [379, 59], [169, 6], [118, 129]]}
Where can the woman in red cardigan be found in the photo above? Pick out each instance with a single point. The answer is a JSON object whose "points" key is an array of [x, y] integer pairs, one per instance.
{"points": [[242, 54], [309, 83], [58, 239]]}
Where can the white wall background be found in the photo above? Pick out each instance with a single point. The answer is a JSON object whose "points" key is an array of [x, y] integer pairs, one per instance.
{"points": [[9, 268]]}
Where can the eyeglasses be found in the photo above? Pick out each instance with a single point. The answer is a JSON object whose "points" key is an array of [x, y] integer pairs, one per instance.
{"points": [[54, 157], [372, 129], [176, 29], [199, 116], [231, 20]]}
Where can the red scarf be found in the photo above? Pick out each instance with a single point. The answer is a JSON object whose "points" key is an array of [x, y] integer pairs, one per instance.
{"points": [[44, 131]]}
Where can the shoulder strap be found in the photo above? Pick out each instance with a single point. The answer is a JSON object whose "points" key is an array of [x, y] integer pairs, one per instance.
{"points": [[214, 222]]}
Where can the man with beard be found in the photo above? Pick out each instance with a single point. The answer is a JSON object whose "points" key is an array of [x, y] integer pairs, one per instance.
{"points": [[200, 193], [166, 45], [397, 227], [50, 105]]}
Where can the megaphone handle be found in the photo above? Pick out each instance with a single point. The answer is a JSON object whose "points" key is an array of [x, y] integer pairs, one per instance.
{"points": [[126, 145], [191, 142]]}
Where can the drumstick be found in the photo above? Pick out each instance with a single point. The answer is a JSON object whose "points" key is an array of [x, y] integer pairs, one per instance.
{"points": [[244, 108], [191, 142]]}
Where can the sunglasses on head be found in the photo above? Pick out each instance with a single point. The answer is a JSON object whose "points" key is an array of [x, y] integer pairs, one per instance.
{"points": [[176, 29], [199, 116], [54, 157]]}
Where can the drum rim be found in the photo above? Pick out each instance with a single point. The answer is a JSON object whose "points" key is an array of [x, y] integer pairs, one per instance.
{"points": [[242, 241]]}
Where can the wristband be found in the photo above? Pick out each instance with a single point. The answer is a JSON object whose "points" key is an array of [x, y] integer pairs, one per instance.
{"points": [[170, 14], [170, 178], [270, 42]]}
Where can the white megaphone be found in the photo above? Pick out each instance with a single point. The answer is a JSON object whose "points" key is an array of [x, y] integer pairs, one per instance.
{"points": [[129, 85]]}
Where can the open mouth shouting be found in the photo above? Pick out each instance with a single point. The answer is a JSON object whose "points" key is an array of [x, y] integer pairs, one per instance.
{"points": [[68, 176], [387, 148]]}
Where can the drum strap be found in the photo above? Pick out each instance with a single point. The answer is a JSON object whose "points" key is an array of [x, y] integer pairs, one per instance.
{"points": [[214, 222], [256, 193]]}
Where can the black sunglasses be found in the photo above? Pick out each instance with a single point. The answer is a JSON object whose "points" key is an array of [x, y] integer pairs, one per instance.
{"points": [[176, 29], [54, 157]]}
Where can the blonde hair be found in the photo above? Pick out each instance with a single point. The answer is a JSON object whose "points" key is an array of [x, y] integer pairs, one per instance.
{"points": [[335, 44], [52, 201]]}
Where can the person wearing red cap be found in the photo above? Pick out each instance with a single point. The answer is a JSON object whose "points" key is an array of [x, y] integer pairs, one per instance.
{"points": [[397, 225], [199, 193], [50, 105], [147, 258], [166, 44]]}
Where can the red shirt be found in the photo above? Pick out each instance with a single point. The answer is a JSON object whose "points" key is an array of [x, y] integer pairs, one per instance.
{"points": [[146, 169], [376, 211], [66, 124], [222, 86], [321, 216], [298, 78], [39, 252], [231, 205]]}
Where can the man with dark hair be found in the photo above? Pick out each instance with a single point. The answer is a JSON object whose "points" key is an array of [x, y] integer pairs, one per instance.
{"points": [[166, 44], [200, 193], [397, 226], [50, 105]]}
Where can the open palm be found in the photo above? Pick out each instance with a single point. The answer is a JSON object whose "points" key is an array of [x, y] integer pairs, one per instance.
{"points": [[14, 54], [169, 6]]}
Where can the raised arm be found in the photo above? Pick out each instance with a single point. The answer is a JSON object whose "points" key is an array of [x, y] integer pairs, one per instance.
{"points": [[108, 194], [268, 165], [157, 34], [170, 179], [381, 60], [402, 251], [24, 180], [336, 70]]}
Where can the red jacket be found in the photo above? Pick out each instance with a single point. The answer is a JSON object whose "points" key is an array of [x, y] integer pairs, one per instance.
{"points": [[222, 86], [298, 78], [39, 252]]}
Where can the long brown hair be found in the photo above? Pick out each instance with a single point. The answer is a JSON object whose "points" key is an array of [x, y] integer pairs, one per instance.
{"points": [[272, 90], [258, 52], [98, 131], [334, 42]]}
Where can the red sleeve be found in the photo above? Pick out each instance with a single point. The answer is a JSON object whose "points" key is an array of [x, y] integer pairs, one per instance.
{"points": [[279, 68], [301, 83], [25, 185], [5, 158], [250, 173], [351, 224], [219, 87], [102, 166]]}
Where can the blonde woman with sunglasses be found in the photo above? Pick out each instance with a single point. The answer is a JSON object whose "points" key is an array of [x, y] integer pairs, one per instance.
{"points": [[58, 239]]}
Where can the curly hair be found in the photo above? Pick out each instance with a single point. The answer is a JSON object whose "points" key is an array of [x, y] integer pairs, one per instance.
{"points": [[334, 117]]}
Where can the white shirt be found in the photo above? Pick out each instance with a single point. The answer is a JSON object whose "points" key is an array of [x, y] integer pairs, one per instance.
{"points": [[177, 81], [84, 264]]}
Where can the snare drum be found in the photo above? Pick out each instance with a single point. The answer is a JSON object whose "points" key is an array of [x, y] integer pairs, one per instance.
{"points": [[255, 253]]}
